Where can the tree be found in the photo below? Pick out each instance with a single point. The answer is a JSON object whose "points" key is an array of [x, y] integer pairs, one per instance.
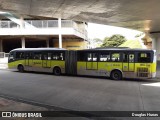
{"points": [[113, 41]]}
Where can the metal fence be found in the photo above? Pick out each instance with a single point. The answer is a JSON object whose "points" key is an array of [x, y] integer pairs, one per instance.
{"points": [[80, 31], [37, 23], [4, 55]]}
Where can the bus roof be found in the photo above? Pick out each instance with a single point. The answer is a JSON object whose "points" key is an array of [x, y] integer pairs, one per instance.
{"points": [[116, 49], [37, 49]]}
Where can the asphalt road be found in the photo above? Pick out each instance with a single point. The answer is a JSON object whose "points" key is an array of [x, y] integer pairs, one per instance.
{"points": [[80, 93]]}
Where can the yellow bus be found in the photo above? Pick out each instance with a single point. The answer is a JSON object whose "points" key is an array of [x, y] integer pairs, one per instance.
{"points": [[116, 63], [38, 59]]}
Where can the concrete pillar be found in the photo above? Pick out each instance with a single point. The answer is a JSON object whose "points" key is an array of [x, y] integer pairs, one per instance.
{"points": [[60, 33], [22, 25], [23, 42], [154, 46], [156, 43], [158, 48], [1, 45], [47, 43]]}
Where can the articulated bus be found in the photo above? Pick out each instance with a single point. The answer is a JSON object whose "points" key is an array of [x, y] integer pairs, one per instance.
{"points": [[116, 63]]}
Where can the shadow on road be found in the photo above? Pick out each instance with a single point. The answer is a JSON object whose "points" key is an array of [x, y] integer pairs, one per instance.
{"points": [[153, 80]]}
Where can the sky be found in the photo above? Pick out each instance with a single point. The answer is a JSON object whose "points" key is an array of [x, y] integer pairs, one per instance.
{"points": [[102, 31]]}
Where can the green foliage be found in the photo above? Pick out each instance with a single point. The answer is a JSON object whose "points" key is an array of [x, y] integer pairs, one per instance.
{"points": [[113, 41]]}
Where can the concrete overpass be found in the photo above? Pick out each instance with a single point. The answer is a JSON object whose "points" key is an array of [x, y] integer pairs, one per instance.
{"points": [[141, 15]]}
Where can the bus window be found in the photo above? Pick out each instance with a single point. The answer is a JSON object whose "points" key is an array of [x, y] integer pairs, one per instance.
{"points": [[49, 56], [37, 56], [125, 57], [144, 57], [89, 57], [81, 56], [45, 57], [19, 55], [28, 55], [104, 57], [92, 57], [11, 57], [115, 57], [58, 56]]}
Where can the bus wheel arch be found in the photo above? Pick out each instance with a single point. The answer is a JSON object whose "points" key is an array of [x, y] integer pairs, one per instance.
{"points": [[20, 68], [116, 74], [57, 70]]}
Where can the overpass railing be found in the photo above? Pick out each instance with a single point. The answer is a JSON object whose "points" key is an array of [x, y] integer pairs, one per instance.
{"points": [[38, 24], [80, 31]]}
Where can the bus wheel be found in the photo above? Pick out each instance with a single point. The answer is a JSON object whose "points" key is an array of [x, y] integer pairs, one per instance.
{"points": [[116, 75], [20, 68], [56, 71]]}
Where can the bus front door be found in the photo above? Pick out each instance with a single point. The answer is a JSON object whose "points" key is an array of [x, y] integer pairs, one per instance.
{"points": [[128, 62], [92, 61]]}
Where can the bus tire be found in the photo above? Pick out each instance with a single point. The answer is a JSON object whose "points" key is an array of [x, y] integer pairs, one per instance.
{"points": [[116, 75], [20, 68], [57, 71]]}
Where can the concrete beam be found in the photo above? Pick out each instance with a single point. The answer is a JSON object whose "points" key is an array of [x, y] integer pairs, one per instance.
{"points": [[137, 14]]}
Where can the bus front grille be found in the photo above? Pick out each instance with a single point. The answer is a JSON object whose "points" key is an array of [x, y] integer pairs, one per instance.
{"points": [[142, 72]]}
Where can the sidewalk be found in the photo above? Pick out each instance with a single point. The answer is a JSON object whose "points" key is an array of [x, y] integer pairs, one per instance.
{"points": [[3, 66], [3, 63], [10, 105]]}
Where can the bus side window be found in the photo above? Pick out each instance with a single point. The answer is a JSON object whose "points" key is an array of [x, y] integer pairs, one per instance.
{"points": [[37, 55], [92, 57], [125, 57], [28, 55], [104, 57], [11, 57], [89, 57], [49, 56], [61, 57], [81, 56], [115, 57], [45, 57], [58, 56], [144, 57], [95, 56], [19, 55]]}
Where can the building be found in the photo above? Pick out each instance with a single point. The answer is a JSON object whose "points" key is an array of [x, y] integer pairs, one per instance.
{"points": [[33, 32]]}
